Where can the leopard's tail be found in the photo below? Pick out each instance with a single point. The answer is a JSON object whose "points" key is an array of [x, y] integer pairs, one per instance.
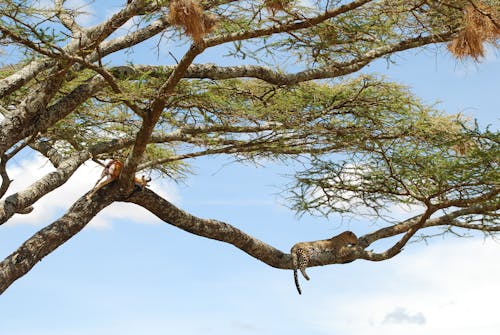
{"points": [[296, 278], [295, 264]]}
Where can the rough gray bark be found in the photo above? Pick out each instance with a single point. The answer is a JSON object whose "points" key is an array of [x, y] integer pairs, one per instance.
{"points": [[50, 94], [48, 239], [29, 121], [224, 232]]}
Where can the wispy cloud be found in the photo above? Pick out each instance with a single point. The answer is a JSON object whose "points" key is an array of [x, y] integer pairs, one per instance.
{"points": [[401, 315]]}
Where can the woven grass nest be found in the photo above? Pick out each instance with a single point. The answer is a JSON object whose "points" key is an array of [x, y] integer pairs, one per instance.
{"points": [[189, 15], [481, 25]]}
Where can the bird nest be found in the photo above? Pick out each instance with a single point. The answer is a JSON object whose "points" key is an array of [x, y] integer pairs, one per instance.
{"points": [[189, 15], [481, 25]]}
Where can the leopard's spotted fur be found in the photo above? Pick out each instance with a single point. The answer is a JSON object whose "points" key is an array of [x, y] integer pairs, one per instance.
{"points": [[303, 251]]}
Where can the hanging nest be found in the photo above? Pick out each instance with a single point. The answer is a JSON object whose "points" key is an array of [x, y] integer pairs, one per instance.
{"points": [[189, 15], [481, 25]]}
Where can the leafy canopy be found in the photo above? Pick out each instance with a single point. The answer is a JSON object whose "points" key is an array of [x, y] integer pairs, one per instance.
{"points": [[294, 87]]}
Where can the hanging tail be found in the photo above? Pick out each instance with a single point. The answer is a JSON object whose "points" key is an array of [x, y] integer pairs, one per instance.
{"points": [[296, 278]]}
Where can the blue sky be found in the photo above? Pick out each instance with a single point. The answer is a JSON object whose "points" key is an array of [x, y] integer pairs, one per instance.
{"points": [[128, 273]]}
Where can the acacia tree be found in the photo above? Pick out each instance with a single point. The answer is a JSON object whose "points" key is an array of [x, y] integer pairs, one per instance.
{"points": [[366, 144]]}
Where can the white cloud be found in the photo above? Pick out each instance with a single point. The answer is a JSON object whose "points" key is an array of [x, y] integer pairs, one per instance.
{"points": [[401, 315], [449, 288], [53, 205], [24, 173]]}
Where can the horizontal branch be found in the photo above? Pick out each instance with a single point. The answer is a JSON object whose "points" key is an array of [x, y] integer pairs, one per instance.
{"points": [[213, 229], [271, 76], [16, 80], [446, 219], [221, 231], [48, 239], [449, 219]]}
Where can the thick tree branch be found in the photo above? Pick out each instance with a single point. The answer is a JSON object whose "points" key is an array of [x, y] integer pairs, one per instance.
{"points": [[27, 121], [67, 19], [212, 229], [5, 177], [155, 110], [16, 80], [474, 226], [224, 232], [211, 71], [88, 39], [47, 150], [48, 239]]}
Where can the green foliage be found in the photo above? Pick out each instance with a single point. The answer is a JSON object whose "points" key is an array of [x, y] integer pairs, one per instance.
{"points": [[366, 142], [439, 163], [23, 22], [351, 34]]}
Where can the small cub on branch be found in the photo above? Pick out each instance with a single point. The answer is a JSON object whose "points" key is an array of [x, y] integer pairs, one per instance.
{"points": [[303, 251]]}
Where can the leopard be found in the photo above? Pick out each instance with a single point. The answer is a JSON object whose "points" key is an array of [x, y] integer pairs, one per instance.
{"points": [[303, 251]]}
